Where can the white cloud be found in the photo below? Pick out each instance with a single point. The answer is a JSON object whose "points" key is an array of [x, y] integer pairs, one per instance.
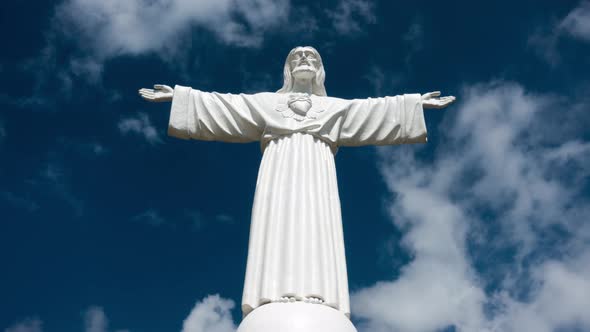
{"points": [[494, 224], [28, 325], [349, 16], [437, 289], [111, 28], [561, 299], [213, 314], [142, 126], [95, 320], [577, 22], [84, 34]]}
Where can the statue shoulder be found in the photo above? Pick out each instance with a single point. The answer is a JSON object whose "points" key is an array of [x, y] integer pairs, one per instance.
{"points": [[264, 97], [333, 102]]}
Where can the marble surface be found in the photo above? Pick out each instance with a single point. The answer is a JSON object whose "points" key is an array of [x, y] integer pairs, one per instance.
{"points": [[296, 317]]}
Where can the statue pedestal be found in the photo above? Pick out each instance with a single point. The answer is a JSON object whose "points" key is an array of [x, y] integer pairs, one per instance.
{"points": [[296, 317]]}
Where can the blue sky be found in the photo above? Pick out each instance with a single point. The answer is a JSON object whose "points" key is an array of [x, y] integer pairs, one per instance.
{"points": [[109, 225]]}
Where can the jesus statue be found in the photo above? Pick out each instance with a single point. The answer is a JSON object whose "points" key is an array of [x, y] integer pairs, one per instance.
{"points": [[296, 247]]}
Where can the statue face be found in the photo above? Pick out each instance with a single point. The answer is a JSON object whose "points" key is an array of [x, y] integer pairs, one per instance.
{"points": [[304, 63]]}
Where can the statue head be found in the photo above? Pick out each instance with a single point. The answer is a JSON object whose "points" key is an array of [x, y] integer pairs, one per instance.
{"points": [[304, 62]]}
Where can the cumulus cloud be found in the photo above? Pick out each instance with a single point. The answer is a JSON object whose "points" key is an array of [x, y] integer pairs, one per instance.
{"points": [[140, 125], [84, 34], [559, 302], [28, 325], [494, 224], [212, 314], [112, 28]]}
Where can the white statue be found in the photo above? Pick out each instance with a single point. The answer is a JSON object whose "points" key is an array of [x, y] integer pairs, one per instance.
{"points": [[296, 249]]}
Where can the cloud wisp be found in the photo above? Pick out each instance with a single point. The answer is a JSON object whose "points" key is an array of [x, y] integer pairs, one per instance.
{"points": [[140, 125], [577, 22], [95, 320], [494, 224], [576, 25], [27, 325], [350, 15]]}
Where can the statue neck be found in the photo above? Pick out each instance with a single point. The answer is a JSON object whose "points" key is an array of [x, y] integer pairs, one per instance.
{"points": [[302, 86]]}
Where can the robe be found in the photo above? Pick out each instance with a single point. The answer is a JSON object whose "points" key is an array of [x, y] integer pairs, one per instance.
{"points": [[296, 246]]}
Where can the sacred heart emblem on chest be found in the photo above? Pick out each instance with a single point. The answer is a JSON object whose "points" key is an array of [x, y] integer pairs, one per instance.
{"points": [[300, 103], [299, 106]]}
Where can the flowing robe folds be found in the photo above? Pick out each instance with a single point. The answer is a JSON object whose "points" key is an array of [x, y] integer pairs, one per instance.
{"points": [[296, 246]]}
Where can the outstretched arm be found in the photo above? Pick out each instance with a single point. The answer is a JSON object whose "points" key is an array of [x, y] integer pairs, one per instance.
{"points": [[160, 93], [430, 100], [209, 115], [384, 121]]}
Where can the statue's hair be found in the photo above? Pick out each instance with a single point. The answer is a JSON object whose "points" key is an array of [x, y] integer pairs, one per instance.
{"points": [[317, 84]]}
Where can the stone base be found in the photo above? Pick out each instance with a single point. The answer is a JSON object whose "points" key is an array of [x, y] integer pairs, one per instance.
{"points": [[296, 317]]}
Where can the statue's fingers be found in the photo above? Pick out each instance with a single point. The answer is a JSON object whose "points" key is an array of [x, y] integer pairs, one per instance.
{"points": [[431, 95], [163, 87]]}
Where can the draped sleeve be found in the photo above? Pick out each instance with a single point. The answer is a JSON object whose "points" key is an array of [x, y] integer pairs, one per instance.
{"points": [[383, 121], [213, 116]]}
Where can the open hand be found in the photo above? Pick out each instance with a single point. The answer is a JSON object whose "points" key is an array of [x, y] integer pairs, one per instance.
{"points": [[158, 94], [430, 100]]}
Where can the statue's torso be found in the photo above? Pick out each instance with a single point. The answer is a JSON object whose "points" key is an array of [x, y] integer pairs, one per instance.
{"points": [[285, 114]]}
